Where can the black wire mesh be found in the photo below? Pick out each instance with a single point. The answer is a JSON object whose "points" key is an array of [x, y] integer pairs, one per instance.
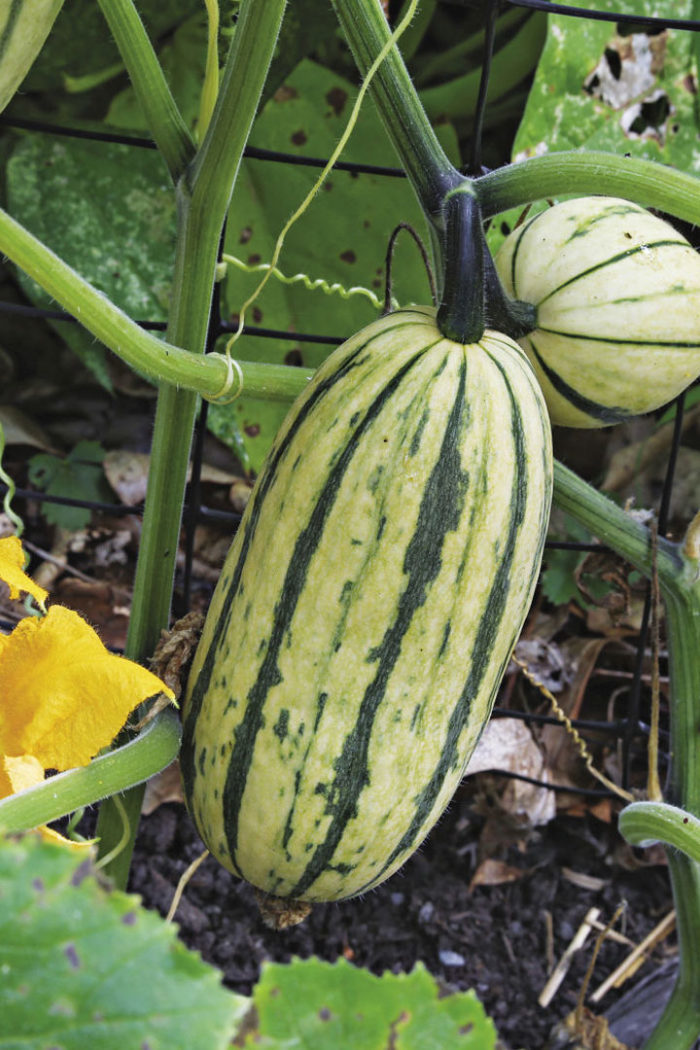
{"points": [[626, 730]]}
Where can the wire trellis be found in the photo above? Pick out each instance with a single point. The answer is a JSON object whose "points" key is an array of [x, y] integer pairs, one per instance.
{"points": [[625, 730]]}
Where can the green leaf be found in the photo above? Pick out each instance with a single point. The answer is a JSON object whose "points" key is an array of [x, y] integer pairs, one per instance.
{"points": [[342, 237], [324, 1006], [81, 967], [590, 84], [109, 211], [595, 90], [78, 476]]}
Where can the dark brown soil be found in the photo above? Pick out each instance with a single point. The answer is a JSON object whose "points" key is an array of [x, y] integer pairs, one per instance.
{"points": [[492, 939]]}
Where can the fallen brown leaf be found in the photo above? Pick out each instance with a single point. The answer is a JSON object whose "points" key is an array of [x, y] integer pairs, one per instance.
{"points": [[165, 786], [492, 872]]}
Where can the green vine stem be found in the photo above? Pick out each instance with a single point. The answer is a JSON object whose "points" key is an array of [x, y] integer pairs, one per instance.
{"points": [[646, 182], [211, 376], [427, 166], [153, 749], [203, 196], [171, 134], [644, 823], [678, 568]]}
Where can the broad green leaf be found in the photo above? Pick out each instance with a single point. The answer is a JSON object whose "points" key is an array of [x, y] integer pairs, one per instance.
{"points": [[342, 237], [109, 211], [597, 90], [324, 1006], [80, 967], [79, 475]]}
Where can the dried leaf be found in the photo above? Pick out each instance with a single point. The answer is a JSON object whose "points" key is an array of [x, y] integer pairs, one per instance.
{"points": [[65, 696], [21, 429], [127, 473], [493, 872], [165, 786], [507, 744]]}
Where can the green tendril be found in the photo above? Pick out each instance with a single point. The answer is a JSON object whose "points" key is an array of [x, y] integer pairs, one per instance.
{"points": [[11, 488], [310, 283]]}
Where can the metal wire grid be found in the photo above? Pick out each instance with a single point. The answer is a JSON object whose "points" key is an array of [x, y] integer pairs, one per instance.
{"points": [[626, 729]]}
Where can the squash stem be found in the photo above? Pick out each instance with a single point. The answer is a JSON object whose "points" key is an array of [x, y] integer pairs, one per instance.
{"points": [[163, 117], [204, 193], [646, 182], [460, 316], [431, 173], [153, 749], [679, 579]]}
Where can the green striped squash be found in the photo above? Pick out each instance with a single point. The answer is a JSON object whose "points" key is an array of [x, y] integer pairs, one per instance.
{"points": [[367, 609], [617, 293], [24, 26]]}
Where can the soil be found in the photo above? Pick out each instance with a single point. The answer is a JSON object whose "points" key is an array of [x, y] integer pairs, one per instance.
{"points": [[490, 938]]}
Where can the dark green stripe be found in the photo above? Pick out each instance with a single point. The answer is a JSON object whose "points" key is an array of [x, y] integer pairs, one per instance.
{"points": [[672, 345], [605, 413], [15, 8], [315, 393], [440, 512], [489, 629], [295, 580], [608, 262], [187, 753]]}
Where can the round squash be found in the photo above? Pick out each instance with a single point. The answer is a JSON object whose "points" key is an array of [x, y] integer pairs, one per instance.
{"points": [[617, 295]]}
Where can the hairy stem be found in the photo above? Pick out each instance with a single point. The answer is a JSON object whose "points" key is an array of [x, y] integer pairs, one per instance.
{"points": [[204, 193], [643, 181], [153, 749], [163, 118]]}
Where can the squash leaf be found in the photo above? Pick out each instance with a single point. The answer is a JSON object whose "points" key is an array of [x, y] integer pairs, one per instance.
{"points": [[597, 89], [108, 211], [323, 1006], [79, 475], [81, 967]]}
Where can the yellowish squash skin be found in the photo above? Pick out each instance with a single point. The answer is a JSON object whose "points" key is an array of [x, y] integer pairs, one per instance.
{"points": [[617, 294], [367, 609]]}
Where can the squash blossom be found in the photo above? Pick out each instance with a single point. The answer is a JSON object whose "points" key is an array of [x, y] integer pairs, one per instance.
{"points": [[63, 695]]}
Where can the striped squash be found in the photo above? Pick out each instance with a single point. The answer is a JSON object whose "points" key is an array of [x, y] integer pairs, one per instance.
{"points": [[367, 609], [617, 293], [24, 26]]}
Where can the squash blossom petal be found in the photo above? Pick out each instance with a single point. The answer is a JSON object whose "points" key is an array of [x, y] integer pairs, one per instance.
{"points": [[64, 697], [12, 570]]}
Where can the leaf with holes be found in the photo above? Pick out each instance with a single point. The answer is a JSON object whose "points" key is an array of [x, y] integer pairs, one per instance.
{"points": [[81, 967], [597, 89], [323, 1006]]}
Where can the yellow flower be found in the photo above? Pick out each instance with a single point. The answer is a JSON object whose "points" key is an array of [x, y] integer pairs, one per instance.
{"points": [[12, 570], [63, 695]]}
